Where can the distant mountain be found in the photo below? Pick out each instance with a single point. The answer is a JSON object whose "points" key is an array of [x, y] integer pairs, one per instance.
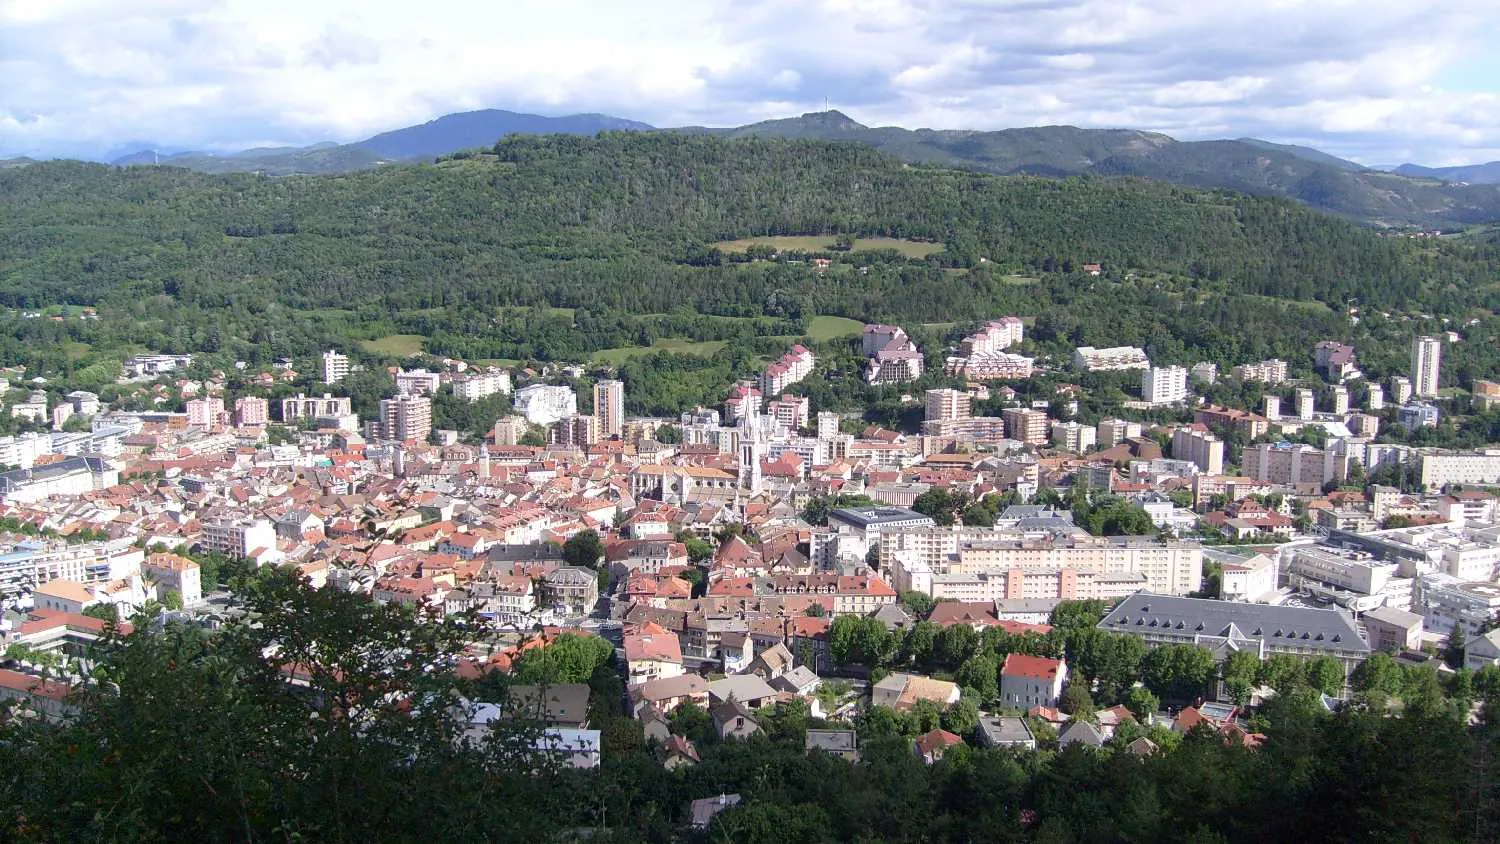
{"points": [[1308, 153], [1474, 174], [16, 162], [1255, 167], [453, 132]]}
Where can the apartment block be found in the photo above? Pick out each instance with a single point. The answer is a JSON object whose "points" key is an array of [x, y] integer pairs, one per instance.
{"points": [[335, 367], [1090, 359], [1164, 385], [609, 408], [1199, 446], [1027, 425], [406, 417]]}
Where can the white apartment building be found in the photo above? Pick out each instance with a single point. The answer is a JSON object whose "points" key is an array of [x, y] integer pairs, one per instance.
{"points": [[237, 537], [417, 382], [1164, 385], [990, 366], [946, 404], [335, 367], [22, 450], [473, 386], [994, 336], [1073, 436], [1272, 371], [1024, 424], [786, 370], [1289, 464], [1090, 359], [1305, 405], [1446, 601], [175, 574], [1426, 357], [1377, 398], [543, 404], [37, 561], [300, 407], [251, 411], [406, 416], [1442, 468], [1112, 432], [140, 366], [70, 476], [1400, 389], [1340, 399], [609, 408]]}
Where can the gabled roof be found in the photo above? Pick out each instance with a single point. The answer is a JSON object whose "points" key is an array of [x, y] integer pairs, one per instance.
{"points": [[1031, 667]]}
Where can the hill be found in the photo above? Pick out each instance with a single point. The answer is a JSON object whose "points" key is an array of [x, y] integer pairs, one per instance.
{"points": [[1250, 166], [453, 132], [1478, 174]]}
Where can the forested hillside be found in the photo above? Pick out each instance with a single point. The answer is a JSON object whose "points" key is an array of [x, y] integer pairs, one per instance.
{"points": [[608, 242]]}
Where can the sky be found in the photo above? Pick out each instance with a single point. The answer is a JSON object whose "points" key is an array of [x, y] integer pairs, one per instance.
{"points": [[1377, 81]]}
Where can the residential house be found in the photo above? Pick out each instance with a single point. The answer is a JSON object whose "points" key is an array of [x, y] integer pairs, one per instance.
{"points": [[702, 811], [1482, 651], [677, 752], [667, 693], [1027, 681], [652, 655], [733, 719], [1080, 732], [841, 743], [1005, 731], [930, 746], [748, 689]]}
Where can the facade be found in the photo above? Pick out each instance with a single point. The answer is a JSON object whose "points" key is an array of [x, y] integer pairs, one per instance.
{"points": [[1426, 358], [787, 370], [580, 430], [251, 411], [300, 407], [206, 413], [543, 404], [1164, 385], [335, 367], [1446, 602], [406, 417], [509, 430], [1198, 445], [175, 574], [1090, 359], [1442, 468], [1025, 424], [990, 366], [1112, 432], [1073, 437], [1336, 361], [1417, 414], [609, 408], [946, 404], [417, 382], [142, 366], [1228, 626], [894, 358], [1027, 681], [1287, 464], [70, 476], [1392, 630], [238, 537], [473, 386], [1400, 389], [1232, 419], [1272, 371], [996, 335]]}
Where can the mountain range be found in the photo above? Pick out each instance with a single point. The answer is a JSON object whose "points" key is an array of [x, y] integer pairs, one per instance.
{"points": [[1410, 195]]}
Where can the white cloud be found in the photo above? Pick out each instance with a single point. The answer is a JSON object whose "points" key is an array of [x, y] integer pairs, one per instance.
{"points": [[1361, 78]]}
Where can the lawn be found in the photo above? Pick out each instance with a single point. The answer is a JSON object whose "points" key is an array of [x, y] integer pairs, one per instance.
{"points": [[621, 354], [394, 345], [824, 243], [834, 328]]}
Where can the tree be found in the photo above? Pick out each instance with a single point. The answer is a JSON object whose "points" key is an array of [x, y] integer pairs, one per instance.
{"points": [[940, 504], [854, 639], [1179, 672], [1086, 613], [920, 646], [1141, 703], [1457, 642], [955, 644], [570, 658], [1077, 702], [693, 721], [979, 672], [1240, 671], [920, 603], [583, 549], [1281, 672], [668, 434], [961, 717], [1324, 674], [103, 612], [1379, 674]]}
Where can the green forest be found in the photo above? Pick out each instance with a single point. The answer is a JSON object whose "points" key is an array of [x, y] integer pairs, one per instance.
{"points": [[198, 735], [556, 248]]}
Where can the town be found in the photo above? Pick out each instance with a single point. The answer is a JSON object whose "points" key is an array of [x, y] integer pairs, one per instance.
{"points": [[961, 584]]}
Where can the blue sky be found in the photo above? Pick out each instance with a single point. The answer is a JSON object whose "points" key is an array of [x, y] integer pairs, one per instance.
{"points": [[1378, 81]]}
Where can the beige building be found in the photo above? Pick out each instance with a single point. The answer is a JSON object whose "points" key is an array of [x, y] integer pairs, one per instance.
{"points": [[406, 417], [946, 404], [609, 408], [1024, 424]]}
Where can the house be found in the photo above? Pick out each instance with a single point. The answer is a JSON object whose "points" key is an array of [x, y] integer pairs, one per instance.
{"points": [[737, 650], [1482, 651], [556, 705], [733, 719], [901, 691], [652, 655], [569, 747], [931, 746], [1389, 629], [841, 743], [668, 693], [799, 681], [1110, 719], [573, 589], [772, 662], [1142, 747], [1005, 731], [748, 689], [702, 811], [1027, 681], [653, 724], [677, 752], [1080, 732], [60, 595]]}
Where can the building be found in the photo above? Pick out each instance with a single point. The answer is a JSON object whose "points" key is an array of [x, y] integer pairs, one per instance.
{"points": [[238, 537], [1164, 385], [335, 367], [1306, 406], [1090, 359], [1232, 419], [509, 430], [1272, 371], [1025, 424], [1400, 389], [1336, 361], [1228, 626], [1443, 468], [1340, 395], [1417, 414], [175, 574], [543, 404], [1446, 601], [1005, 731], [300, 407], [1199, 446], [859, 529], [141, 366], [994, 336], [69, 476], [1073, 437], [473, 386], [1246, 578], [581, 430], [1027, 681], [251, 412], [1288, 464], [1485, 394], [417, 382], [609, 408], [1376, 400], [1204, 372], [1112, 432], [206, 413], [787, 370], [1483, 651], [893, 361], [22, 450], [406, 417], [1426, 358], [946, 404], [84, 402], [990, 366], [1392, 630]]}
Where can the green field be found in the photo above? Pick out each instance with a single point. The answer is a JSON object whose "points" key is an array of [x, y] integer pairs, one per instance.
{"points": [[834, 328], [75, 350], [394, 345], [619, 355], [824, 243], [503, 363]]}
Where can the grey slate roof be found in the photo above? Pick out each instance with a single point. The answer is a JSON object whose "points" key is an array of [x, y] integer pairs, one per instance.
{"points": [[1145, 614], [863, 517]]}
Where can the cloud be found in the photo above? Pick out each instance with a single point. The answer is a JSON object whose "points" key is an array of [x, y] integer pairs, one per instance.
{"points": [[1361, 78]]}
